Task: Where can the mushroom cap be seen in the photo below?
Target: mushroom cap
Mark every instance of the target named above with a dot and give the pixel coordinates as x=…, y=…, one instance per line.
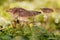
x=23, y=12
x=14, y=10
x=47, y=10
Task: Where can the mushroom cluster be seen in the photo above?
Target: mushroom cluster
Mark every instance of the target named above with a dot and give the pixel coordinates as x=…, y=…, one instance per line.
x=22, y=14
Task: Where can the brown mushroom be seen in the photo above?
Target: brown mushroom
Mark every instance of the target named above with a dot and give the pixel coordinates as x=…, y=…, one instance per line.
x=46, y=12
x=21, y=14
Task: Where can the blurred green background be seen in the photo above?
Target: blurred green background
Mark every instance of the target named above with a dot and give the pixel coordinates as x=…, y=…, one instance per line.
x=30, y=32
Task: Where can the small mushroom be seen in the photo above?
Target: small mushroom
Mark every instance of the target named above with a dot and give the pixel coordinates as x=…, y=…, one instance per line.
x=21, y=14
x=46, y=12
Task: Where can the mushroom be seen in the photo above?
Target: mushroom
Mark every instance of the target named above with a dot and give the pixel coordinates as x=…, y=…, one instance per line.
x=46, y=12
x=21, y=14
